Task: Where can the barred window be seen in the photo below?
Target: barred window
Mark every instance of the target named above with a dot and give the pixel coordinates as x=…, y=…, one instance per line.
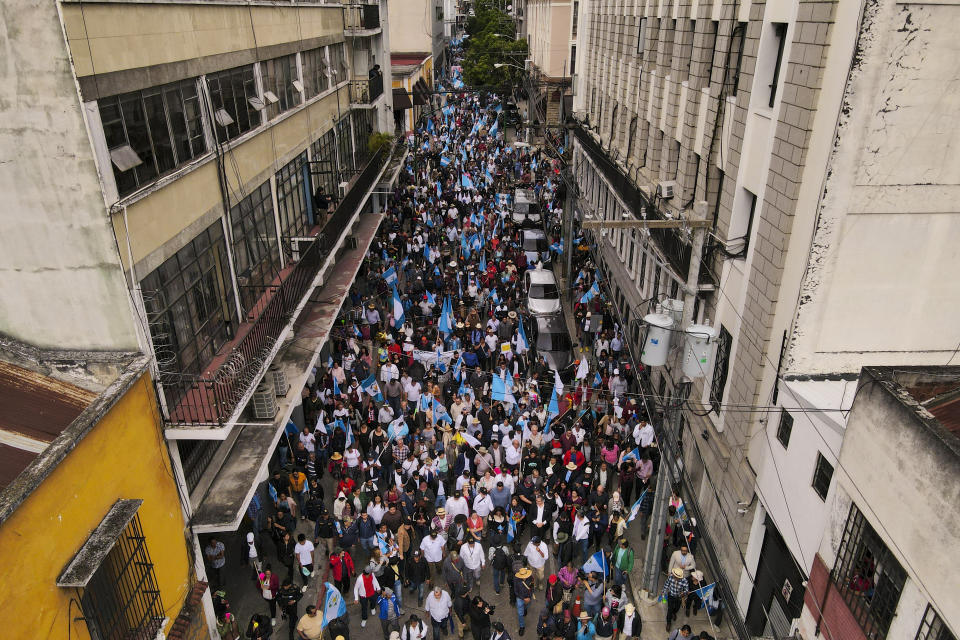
x=338, y=63
x=932, y=627
x=162, y=126
x=113, y=573
x=345, y=146
x=868, y=576
x=230, y=95
x=315, y=78
x=278, y=75
x=323, y=168
x=721, y=363
x=291, y=199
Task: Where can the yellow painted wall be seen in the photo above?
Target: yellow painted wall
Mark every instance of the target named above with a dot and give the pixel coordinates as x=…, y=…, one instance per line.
x=159, y=217
x=113, y=37
x=123, y=456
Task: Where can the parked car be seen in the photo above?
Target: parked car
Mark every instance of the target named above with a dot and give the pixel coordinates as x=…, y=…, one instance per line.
x=535, y=246
x=543, y=296
x=526, y=211
x=551, y=341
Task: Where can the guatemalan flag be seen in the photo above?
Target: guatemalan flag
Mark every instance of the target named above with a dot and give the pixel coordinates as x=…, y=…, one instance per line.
x=635, y=509
x=597, y=562
x=333, y=605
x=590, y=294
x=370, y=386
x=444, y=161
x=495, y=127
x=398, y=315
x=523, y=345
x=500, y=391
x=398, y=429
x=466, y=181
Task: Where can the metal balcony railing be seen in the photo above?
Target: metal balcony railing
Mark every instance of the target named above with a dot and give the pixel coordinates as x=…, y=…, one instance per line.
x=361, y=17
x=211, y=400
x=366, y=91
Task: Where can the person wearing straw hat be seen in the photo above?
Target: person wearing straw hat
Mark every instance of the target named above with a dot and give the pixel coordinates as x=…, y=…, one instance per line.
x=586, y=630
x=523, y=589
x=629, y=623
x=673, y=591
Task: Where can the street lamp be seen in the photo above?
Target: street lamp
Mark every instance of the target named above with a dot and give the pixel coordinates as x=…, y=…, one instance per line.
x=497, y=65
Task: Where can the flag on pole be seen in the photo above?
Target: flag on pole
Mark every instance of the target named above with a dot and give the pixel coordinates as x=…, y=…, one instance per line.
x=471, y=440
x=557, y=383
x=336, y=388
x=483, y=264
x=370, y=386
x=499, y=390
x=390, y=275
x=590, y=294
x=583, y=369
x=444, y=161
x=333, y=605
x=597, y=562
x=456, y=368
x=523, y=344
x=430, y=298
x=398, y=429
x=597, y=380
x=511, y=527
x=635, y=454
x=706, y=593
x=635, y=509
x=495, y=127
x=466, y=181
x=398, y=315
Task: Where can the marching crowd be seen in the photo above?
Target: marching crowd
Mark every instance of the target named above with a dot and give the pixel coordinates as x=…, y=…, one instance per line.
x=440, y=448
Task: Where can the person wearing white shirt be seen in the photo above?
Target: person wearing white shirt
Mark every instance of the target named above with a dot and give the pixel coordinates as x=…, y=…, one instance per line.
x=412, y=389
x=581, y=534
x=376, y=511
x=414, y=629
x=536, y=554
x=482, y=504
x=506, y=479
x=438, y=605
x=513, y=454
x=433, y=546
x=388, y=372
x=352, y=457
x=385, y=415
x=473, y=561
x=643, y=434
x=457, y=504
x=579, y=433
x=309, y=441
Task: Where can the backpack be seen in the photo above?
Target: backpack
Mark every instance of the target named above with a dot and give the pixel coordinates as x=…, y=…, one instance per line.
x=500, y=559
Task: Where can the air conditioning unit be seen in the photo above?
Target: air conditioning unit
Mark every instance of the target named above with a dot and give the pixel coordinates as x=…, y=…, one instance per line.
x=342, y=189
x=279, y=378
x=666, y=188
x=264, y=401
x=527, y=63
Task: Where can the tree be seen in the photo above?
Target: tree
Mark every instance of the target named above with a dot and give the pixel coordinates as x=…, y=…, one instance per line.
x=489, y=44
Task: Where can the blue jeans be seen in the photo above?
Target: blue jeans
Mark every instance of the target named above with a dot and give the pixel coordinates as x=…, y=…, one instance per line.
x=418, y=588
x=619, y=577
x=521, y=611
x=498, y=579
x=593, y=609
x=398, y=591
x=371, y=542
x=584, y=549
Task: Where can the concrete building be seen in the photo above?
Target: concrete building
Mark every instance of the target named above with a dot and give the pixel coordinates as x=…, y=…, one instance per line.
x=876, y=573
x=166, y=162
x=89, y=508
x=412, y=74
x=417, y=27
x=789, y=121
x=551, y=34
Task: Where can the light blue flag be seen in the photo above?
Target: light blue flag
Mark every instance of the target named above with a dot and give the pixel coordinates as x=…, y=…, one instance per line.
x=333, y=605
x=398, y=429
x=597, y=379
x=598, y=563
x=336, y=388
x=635, y=455
x=398, y=314
x=370, y=386
x=635, y=509
x=390, y=275
x=356, y=332
x=456, y=368
x=489, y=176
x=495, y=127
x=424, y=403
x=494, y=296
x=439, y=190
x=444, y=161
x=499, y=390
x=440, y=413
x=553, y=409
x=430, y=125
x=522, y=343
x=706, y=593
x=483, y=264
x=431, y=299
x=511, y=527
x=441, y=366
x=466, y=181
x=590, y=294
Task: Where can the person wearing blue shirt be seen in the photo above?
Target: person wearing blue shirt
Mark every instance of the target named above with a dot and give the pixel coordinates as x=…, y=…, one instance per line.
x=586, y=629
x=388, y=610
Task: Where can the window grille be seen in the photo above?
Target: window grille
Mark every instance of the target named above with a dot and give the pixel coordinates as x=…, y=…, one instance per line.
x=932, y=627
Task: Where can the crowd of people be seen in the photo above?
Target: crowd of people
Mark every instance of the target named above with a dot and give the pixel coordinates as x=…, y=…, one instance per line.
x=440, y=447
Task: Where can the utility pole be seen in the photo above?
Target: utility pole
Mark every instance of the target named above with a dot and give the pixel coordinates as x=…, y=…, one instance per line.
x=698, y=224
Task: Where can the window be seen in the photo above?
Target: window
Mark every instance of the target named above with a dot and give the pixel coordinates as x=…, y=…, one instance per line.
x=161, y=125
x=821, y=476
x=932, y=627
x=785, y=428
x=741, y=223
x=278, y=75
x=632, y=135
x=780, y=34
x=291, y=199
x=323, y=168
x=315, y=77
x=573, y=59
x=338, y=64
x=720, y=365
x=641, y=37
x=362, y=128
x=868, y=576
x=345, y=145
x=120, y=597
x=190, y=305
x=576, y=17
x=439, y=9
x=256, y=257
x=731, y=79
x=230, y=94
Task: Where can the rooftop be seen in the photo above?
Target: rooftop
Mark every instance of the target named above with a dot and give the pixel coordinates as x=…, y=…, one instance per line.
x=933, y=392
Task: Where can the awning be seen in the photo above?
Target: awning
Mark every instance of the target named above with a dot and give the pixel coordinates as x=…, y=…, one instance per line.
x=401, y=100
x=95, y=550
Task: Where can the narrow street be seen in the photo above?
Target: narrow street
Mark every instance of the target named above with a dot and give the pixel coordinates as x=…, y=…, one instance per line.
x=457, y=295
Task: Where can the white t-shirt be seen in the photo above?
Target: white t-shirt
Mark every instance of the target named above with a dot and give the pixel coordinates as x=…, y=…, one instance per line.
x=304, y=552
x=432, y=548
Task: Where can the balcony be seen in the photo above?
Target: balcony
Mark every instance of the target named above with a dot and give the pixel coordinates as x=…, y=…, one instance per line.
x=361, y=19
x=215, y=399
x=364, y=92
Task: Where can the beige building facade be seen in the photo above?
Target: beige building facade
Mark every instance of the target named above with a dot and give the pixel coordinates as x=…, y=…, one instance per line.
x=551, y=39
x=783, y=120
x=417, y=26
